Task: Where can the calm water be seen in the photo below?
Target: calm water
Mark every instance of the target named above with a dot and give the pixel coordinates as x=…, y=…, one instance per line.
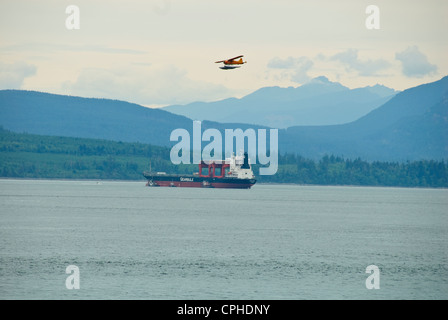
x=270, y=242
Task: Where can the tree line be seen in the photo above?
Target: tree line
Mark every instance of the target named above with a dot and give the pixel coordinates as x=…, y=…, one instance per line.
x=332, y=170
x=34, y=156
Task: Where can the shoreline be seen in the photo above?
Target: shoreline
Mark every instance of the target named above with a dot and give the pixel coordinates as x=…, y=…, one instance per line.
x=258, y=183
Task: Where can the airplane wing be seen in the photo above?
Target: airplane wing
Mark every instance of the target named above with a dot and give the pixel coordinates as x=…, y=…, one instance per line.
x=230, y=59
x=236, y=58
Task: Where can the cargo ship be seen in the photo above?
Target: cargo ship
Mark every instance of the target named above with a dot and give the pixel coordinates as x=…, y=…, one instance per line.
x=234, y=173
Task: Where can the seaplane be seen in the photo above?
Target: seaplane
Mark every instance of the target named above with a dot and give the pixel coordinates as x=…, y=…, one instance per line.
x=232, y=63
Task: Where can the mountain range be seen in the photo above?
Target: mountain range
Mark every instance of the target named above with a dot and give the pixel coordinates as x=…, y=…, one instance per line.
x=412, y=125
x=318, y=102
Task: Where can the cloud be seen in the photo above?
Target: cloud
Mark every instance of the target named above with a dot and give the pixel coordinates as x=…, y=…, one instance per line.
x=13, y=75
x=294, y=69
x=350, y=60
x=415, y=63
x=150, y=85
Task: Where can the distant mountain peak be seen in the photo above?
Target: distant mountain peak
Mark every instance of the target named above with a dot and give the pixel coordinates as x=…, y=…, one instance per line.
x=321, y=85
x=381, y=90
x=324, y=82
x=320, y=79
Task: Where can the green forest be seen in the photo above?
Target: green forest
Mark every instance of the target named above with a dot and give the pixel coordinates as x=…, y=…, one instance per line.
x=47, y=157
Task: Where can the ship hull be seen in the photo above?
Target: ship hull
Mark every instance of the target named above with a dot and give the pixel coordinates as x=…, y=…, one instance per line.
x=189, y=181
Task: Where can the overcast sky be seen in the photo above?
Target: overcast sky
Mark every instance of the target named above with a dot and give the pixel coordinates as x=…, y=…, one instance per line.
x=162, y=52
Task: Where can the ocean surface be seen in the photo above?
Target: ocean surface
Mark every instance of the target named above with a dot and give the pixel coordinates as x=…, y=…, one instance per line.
x=284, y=242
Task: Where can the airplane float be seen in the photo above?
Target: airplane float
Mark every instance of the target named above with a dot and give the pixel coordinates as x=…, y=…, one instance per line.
x=232, y=63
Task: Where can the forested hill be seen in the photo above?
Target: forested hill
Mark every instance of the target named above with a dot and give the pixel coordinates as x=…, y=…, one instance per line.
x=59, y=115
x=36, y=156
